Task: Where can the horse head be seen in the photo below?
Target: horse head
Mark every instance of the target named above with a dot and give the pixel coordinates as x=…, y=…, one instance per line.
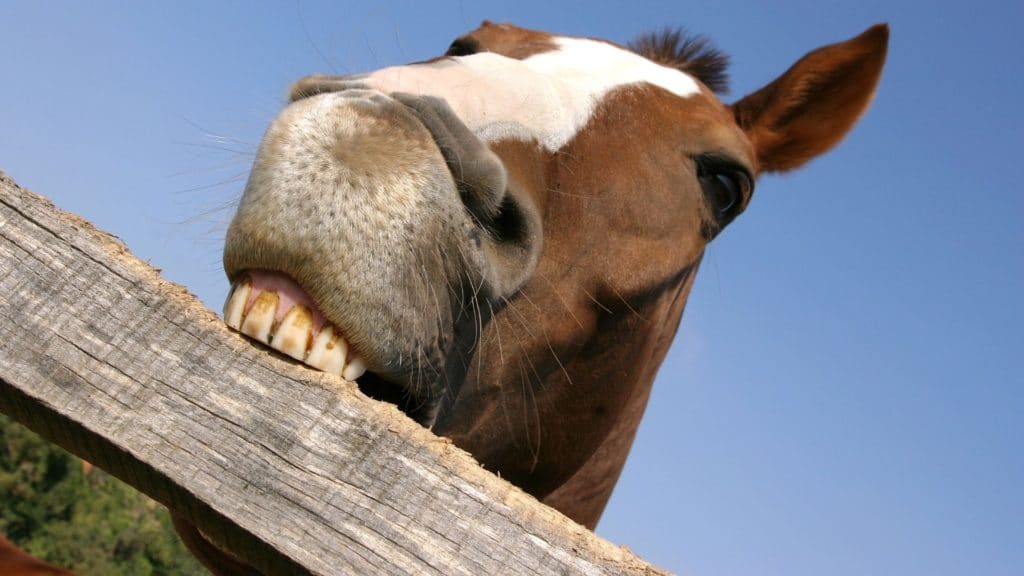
x=501, y=240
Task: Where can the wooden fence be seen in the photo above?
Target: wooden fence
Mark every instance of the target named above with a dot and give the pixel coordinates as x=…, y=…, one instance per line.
x=291, y=469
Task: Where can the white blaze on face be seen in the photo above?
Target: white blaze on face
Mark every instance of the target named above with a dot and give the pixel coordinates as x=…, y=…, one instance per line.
x=549, y=97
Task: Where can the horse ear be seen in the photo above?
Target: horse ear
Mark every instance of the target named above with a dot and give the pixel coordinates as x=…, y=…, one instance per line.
x=809, y=109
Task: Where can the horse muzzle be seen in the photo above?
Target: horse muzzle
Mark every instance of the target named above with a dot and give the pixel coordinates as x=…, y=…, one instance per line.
x=369, y=229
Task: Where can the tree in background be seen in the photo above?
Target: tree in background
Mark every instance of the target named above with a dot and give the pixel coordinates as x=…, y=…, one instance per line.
x=88, y=522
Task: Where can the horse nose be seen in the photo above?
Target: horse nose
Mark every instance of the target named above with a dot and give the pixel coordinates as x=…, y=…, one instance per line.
x=478, y=172
x=499, y=206
x=349, y=193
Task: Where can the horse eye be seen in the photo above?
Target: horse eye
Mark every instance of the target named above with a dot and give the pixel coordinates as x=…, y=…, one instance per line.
x=725, y=187
x=462, y=47
x=724, y=192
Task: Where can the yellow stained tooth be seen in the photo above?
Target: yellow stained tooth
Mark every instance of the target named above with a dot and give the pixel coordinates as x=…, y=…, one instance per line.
x=260, y=318
x=292, y=334
x=328, y=351
x=356, y=368
x=234, y=308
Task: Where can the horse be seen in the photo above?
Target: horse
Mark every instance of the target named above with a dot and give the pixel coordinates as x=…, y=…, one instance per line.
x=501, y=240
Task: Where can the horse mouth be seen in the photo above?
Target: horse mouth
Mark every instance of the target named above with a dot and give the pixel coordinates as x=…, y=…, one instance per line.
x=276, y=311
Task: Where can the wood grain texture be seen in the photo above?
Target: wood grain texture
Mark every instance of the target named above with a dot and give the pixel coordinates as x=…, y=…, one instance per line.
x=292, y=469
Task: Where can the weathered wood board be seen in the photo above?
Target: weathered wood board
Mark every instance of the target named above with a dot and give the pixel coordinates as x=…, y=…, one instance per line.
x=292, y=469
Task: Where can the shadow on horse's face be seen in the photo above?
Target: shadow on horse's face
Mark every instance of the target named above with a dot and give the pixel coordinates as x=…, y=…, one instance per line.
x=502, y=240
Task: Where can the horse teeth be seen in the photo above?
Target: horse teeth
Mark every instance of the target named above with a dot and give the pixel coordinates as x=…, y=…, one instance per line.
x=260, y=319
x=328, y=352
x=356, y=367
x=234, y=308
x=292, y=334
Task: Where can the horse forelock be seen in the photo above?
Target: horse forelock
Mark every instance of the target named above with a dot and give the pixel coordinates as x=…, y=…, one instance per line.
x=694, y=55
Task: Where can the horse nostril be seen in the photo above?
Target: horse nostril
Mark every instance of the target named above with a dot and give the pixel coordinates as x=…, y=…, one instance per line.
x=478, y=172
x=509, y=223
x=508, y=227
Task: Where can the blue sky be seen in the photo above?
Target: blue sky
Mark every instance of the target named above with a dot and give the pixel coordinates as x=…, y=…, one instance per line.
x=845, y=394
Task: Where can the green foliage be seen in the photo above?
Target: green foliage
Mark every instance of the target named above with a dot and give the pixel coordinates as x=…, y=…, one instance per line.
x=89, y=522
